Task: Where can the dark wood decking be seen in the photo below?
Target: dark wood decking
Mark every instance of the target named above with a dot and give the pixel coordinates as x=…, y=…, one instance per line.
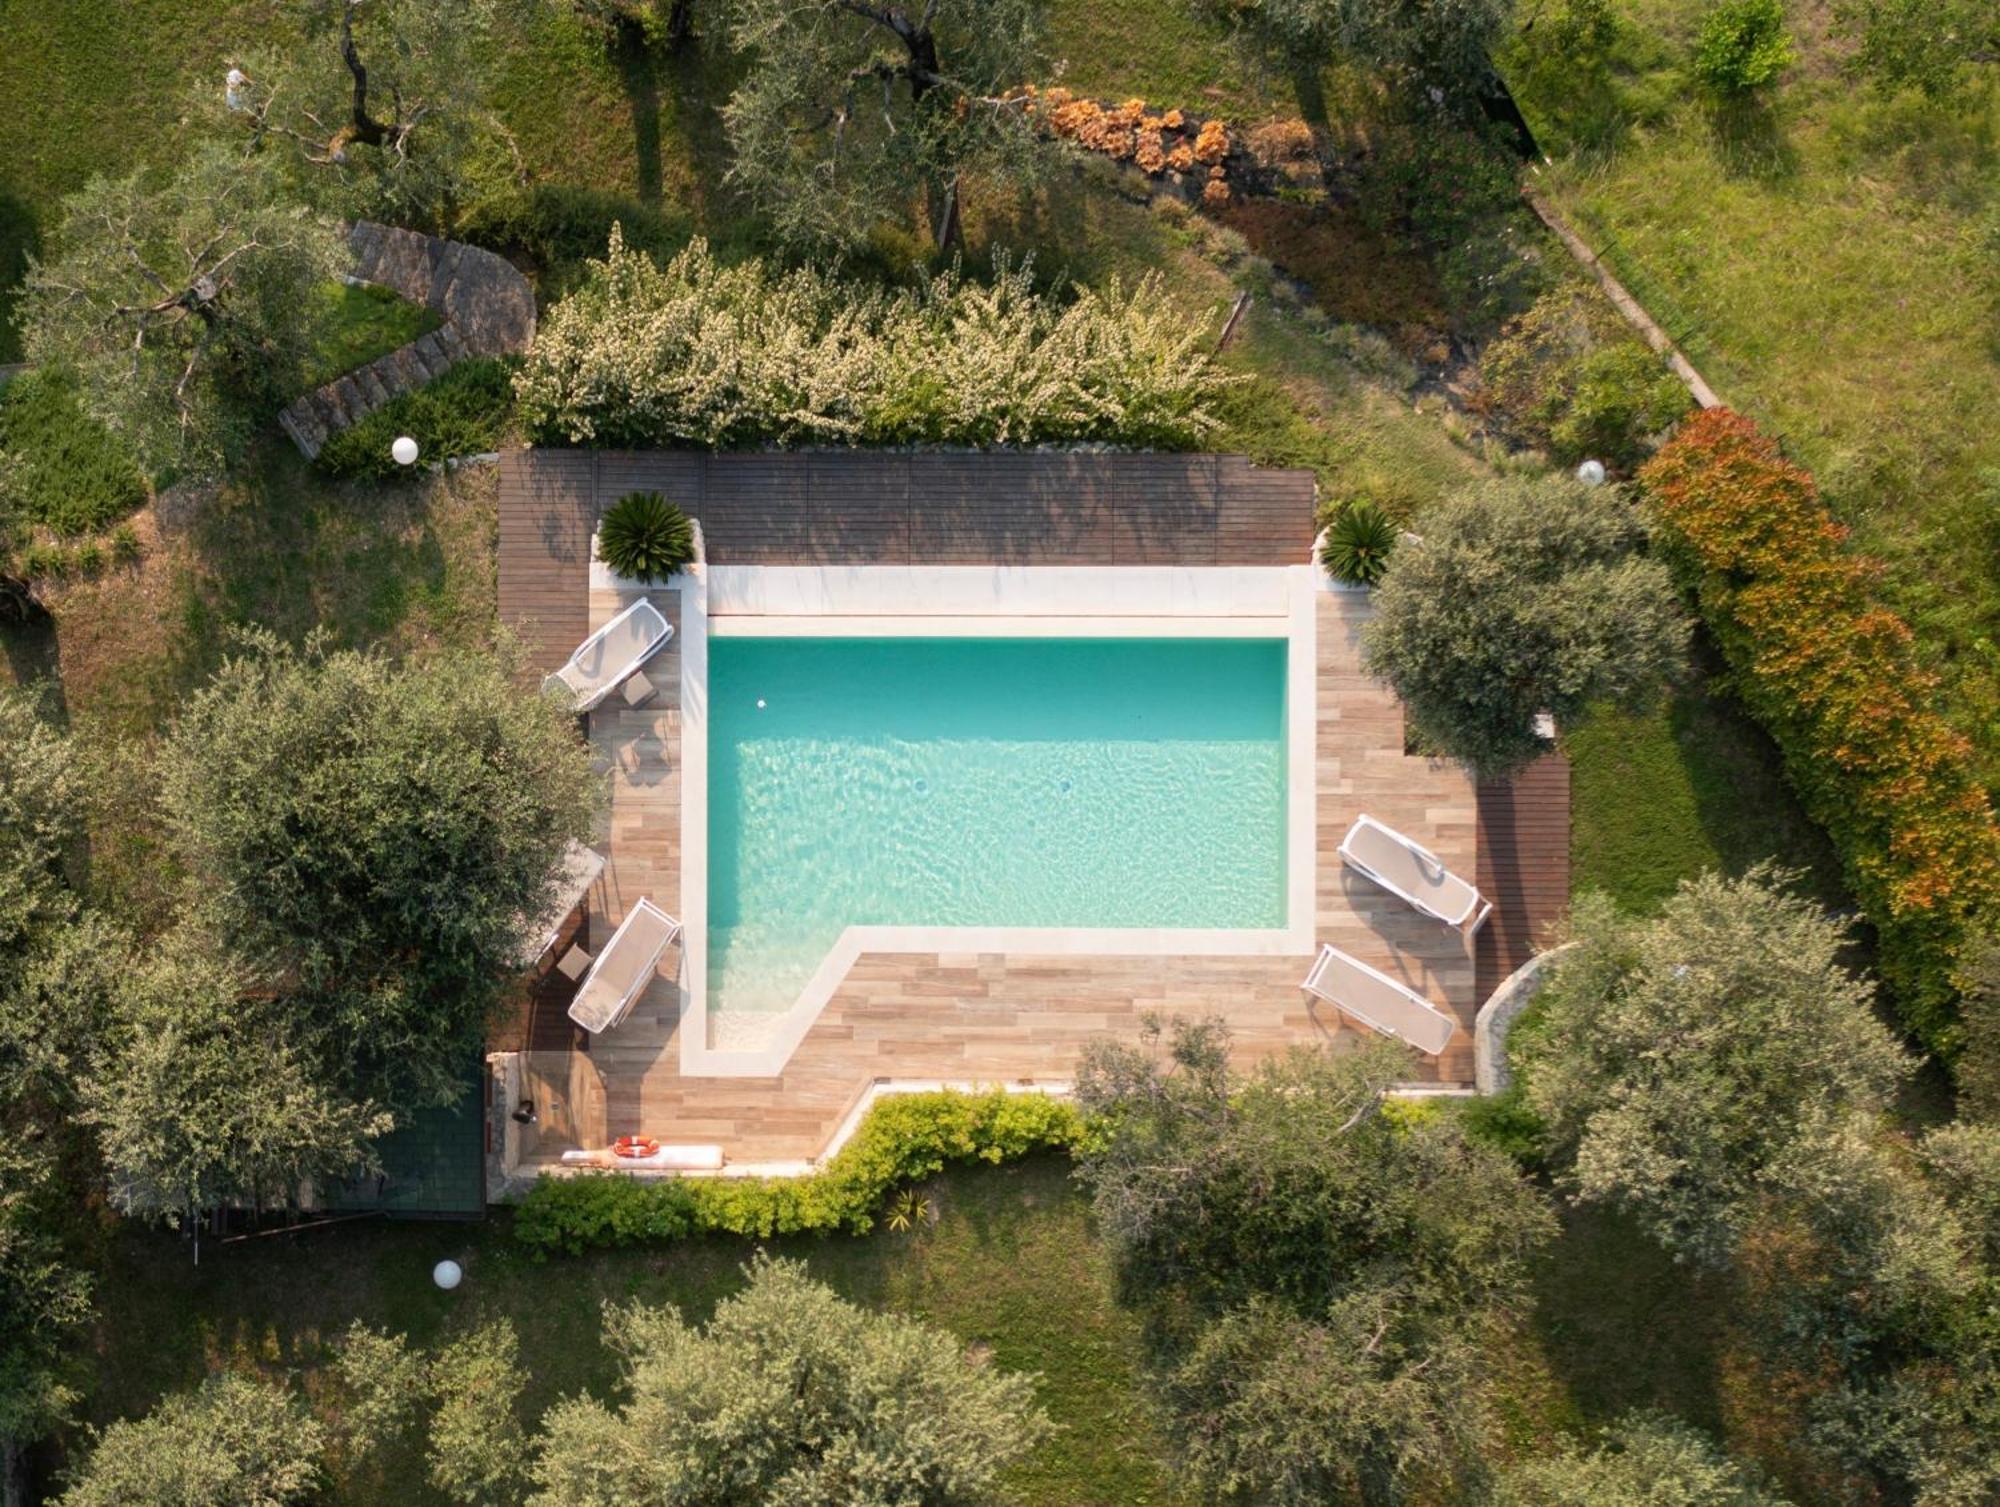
x=1523, y=866
x=885, y=508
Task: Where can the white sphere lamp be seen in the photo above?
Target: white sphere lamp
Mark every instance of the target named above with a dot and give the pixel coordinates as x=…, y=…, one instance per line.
x=404, y=450
x=447, y=1274
x=1591, y=473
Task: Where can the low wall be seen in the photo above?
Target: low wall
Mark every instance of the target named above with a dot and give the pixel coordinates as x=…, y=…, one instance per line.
x=1490, y=1072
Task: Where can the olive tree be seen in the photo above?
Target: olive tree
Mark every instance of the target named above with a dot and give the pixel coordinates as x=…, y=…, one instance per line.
x=380, y=105
x=1429, y=44
x=44, y=1304
x=1679, y=1061
x=1523, y=596
x=377, y=831
x=236, y=1441
x=1643, y=1460
x=58, y=964
x=1370, y=1402
x=185, y=301
x=851, y=111
x=1320, y=1260
x=787, y=1394
x=203, y=1099
x=468, y=1395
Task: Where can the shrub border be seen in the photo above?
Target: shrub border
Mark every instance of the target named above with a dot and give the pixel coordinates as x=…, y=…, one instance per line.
x=904, y=1138
x=1834, y=677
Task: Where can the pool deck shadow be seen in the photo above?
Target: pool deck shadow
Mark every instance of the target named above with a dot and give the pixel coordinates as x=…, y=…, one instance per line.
x=1005, y=1017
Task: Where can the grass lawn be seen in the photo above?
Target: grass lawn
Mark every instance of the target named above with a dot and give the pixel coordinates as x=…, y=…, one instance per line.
x=1827, y=259
x=367, y=322
x=1659, y=797
x=1009, y=1264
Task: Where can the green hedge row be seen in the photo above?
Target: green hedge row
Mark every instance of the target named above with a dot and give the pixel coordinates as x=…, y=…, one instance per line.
x=904, y=1138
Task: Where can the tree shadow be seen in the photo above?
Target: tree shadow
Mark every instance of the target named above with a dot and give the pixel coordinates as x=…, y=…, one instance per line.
x=1749, y=141
x=639, y=72
x=1621, y=1326
x=20, y=238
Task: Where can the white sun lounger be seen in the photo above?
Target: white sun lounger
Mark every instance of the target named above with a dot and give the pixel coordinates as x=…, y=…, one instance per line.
x=1413, y=873
x=621, y=972
x=606, y=659
x=1378, y=1001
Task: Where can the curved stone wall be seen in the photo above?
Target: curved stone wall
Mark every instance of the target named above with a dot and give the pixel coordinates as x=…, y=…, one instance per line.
x=486, y=306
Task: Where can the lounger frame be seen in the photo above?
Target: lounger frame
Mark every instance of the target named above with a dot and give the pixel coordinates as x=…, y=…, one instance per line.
x=644, y=975
x=662, y=633
x=1315, y=985
x=1477, y=909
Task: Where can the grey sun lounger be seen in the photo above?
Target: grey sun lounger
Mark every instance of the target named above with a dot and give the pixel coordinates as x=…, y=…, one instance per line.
x=604, y=661
x=1413, y=874
x=621, y=972
x=1378, y=1001
x=579, y=871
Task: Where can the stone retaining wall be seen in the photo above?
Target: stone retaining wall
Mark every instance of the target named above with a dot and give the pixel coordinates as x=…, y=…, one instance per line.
x=487, y=307
x=1491, y=1074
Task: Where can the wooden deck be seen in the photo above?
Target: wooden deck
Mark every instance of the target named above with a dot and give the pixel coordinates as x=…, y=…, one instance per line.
x=992, y=1017
x=1523, y=866
x=887, y=508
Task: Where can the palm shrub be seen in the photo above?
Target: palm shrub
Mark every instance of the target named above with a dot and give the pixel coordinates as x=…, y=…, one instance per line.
x=1358, y=544
x=646, y=537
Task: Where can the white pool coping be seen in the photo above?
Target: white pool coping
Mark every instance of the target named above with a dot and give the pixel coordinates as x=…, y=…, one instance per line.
x=986, y=601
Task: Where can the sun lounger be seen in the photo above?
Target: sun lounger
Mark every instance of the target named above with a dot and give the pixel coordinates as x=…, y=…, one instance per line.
x=604, y=661
x=1378, y=1001
x=621, y=972
x=1412, y=873
x=580, y=868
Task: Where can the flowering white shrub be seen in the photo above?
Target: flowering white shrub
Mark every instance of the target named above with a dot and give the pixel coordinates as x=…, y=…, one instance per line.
x=700, y=353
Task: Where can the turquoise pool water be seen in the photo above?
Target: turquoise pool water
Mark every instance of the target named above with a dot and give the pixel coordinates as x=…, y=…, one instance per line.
x=984, y=782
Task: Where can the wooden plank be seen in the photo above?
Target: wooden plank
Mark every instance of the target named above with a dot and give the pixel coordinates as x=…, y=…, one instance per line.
x=1524, y=838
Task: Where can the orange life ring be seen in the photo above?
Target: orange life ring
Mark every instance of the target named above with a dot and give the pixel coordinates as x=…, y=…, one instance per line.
x=634, y=1145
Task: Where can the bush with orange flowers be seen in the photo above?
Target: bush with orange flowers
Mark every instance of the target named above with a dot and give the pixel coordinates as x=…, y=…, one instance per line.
x=1834, y=677
x=1126, y=132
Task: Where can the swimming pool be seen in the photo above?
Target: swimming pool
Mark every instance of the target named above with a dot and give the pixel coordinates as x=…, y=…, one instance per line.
x=984, y=782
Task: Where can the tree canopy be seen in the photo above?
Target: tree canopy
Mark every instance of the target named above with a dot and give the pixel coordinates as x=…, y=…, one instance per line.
x=788, y=1394
x=185, y=301
x=1428, y=44
x=1523, y=596
x=1321, y=1260
x=58, y=966
x=375, y=834
x=235, y=1441
x=1678, y=1060
x=204, y=1099
x=1644, y=1460
x=851, y=112
x=379, y=104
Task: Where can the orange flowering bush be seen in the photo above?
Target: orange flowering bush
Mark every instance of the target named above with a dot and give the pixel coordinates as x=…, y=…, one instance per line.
x=1126, y=132
x=1835, y=678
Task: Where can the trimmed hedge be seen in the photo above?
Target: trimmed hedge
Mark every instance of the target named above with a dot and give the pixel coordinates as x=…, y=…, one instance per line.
x=464, y=412
x=904, y=1138
x=1834, y=678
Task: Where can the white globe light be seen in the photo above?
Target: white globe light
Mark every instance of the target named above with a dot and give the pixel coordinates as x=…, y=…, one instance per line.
x=404, y=450
x=447, y=1274
x=1591, y=473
